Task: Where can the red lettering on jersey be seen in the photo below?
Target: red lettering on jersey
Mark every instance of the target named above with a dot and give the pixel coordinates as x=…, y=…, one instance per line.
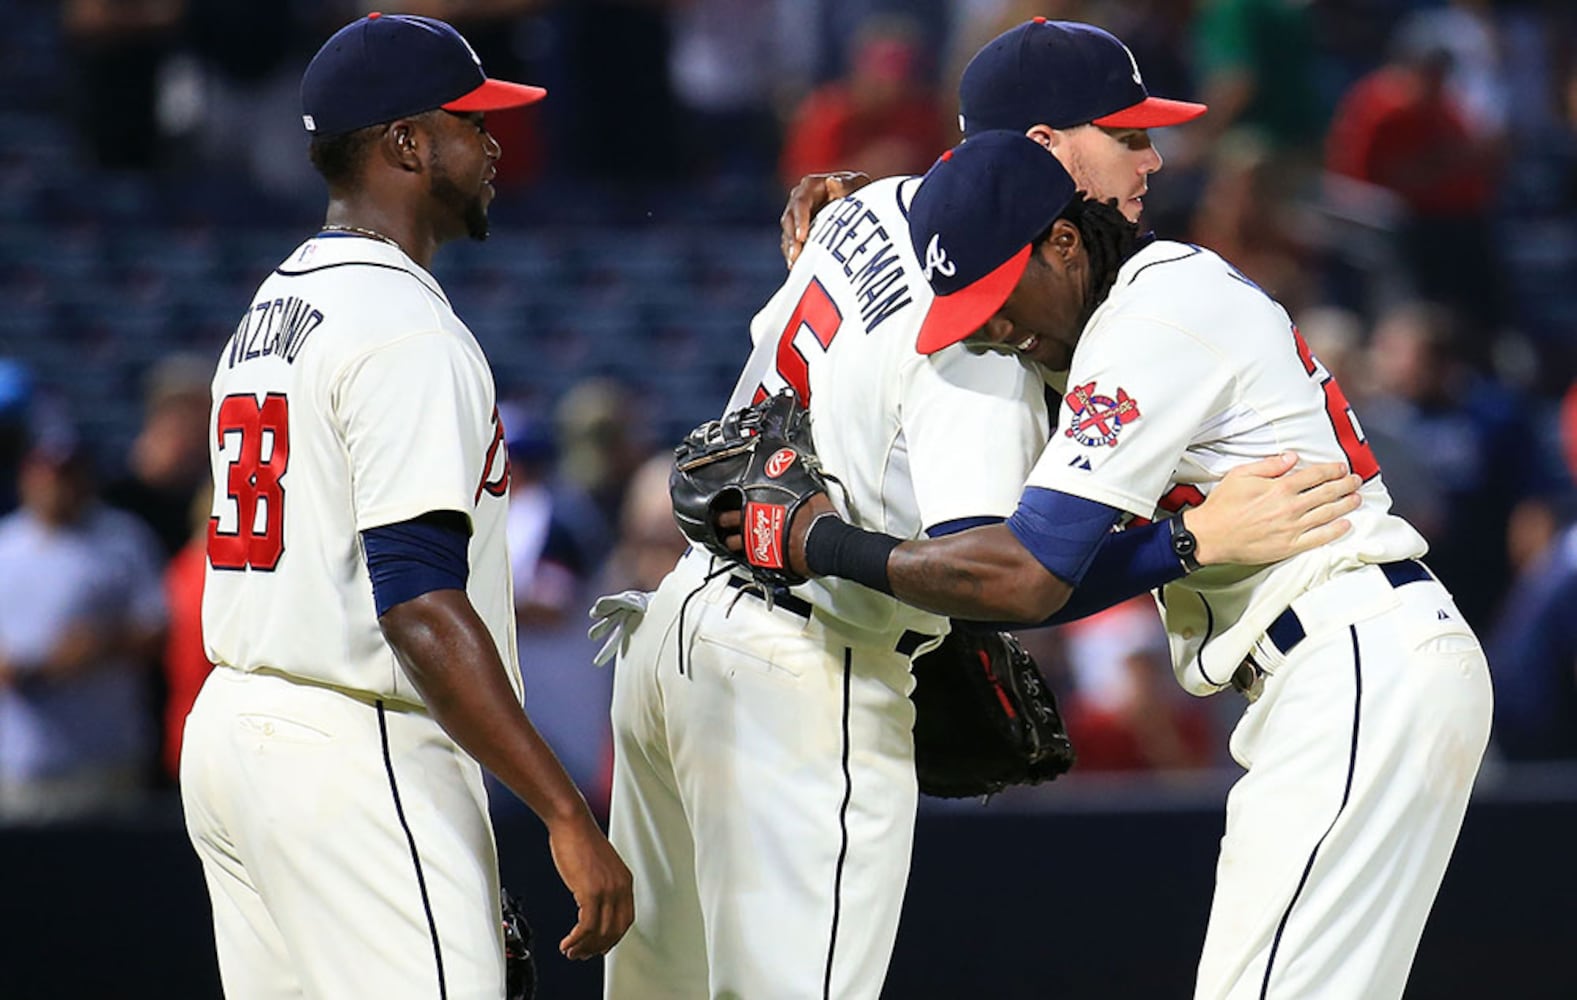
x=780, y=462
x=763, y=531
x=817, y=313
x=1349, y=436
x=1181, y=497
x=1178, y=498
x=1098, y=419
x=494, y=483
x=253, y=481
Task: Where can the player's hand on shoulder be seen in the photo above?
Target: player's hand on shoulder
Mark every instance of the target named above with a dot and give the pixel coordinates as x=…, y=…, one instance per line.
x=809, y=195
x=1273, y=509
x=598, y=879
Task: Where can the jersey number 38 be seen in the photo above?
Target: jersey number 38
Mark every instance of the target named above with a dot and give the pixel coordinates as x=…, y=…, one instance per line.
x=256, y=436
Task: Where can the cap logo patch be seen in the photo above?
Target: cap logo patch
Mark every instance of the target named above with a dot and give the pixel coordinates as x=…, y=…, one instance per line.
x=1097, y=419
x=311, y=125
x=936, y=259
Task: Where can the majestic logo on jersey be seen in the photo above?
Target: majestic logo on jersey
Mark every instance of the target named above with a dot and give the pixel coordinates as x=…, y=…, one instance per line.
x=936, y=259
x=763, y=529
x=495, y=468
x=1098, y=419
x=780, y=462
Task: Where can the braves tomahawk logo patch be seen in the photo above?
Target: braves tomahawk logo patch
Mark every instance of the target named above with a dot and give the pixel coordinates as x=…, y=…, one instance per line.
x=1098, y=419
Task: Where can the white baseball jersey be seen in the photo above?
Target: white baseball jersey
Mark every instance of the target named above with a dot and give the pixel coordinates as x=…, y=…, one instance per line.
x=1368, y=721
x=349, y=397
x=317, y=789
x=916, y=441
x=1186, y=371
x=764, y=789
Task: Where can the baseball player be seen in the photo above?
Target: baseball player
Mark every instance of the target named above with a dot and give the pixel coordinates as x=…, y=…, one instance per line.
x=1072, y=87
x=764, y=787
x=357, y=600
x=1367, y=695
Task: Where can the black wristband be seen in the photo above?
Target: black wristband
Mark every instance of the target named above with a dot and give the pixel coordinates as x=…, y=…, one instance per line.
x=834, y=547
x=1184, y=545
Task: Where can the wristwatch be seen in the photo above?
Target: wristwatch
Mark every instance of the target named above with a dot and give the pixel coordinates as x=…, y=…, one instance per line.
x=1184, y=545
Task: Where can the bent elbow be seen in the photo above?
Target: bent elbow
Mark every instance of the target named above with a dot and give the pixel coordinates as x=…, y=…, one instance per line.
x=1043, y=596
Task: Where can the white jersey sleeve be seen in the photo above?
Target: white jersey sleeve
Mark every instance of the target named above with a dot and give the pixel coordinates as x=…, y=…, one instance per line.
x=402, y=408
x=973, y=427
x=1125, y=424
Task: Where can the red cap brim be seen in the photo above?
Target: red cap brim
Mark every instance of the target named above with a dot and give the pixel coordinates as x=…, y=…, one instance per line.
x=496, y=95
x=953, y=317
x=1153, y=112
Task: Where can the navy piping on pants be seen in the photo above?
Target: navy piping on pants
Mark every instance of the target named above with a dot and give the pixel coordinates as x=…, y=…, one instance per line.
x=1352, y=766
x=416, y=858
x=843, y=827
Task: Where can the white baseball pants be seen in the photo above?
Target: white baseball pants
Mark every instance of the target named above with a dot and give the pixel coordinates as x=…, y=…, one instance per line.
x=347, y=848
x=764, y=797
x=1361, y=755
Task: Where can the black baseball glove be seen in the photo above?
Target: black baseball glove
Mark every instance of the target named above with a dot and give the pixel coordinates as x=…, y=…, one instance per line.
x=760, y=460
x=984, y=717
x=520, y=967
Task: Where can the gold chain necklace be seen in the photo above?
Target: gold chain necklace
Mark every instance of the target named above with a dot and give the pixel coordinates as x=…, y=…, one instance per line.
x=369, y=233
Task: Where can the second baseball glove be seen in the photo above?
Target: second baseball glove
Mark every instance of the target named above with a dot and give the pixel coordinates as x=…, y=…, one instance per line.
x=984, y=717
x=758, y=460
x=520, y=966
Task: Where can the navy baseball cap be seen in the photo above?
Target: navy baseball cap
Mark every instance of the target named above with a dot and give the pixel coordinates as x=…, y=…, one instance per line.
x=1061, y=74
x=387, y=66
x=971, y=223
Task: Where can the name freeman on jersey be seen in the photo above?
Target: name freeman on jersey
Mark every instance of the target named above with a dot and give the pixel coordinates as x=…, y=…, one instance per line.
x=277, y=328
x=857, y=240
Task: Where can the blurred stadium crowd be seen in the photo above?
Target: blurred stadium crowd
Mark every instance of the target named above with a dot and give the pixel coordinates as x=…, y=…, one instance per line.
x=1401, y=173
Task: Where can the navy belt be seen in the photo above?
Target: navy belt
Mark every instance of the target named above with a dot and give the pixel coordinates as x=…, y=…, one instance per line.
x=801, y=608
x=1287, y=630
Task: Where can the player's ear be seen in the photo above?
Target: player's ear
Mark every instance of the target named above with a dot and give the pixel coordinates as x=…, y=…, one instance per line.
x=1065, y=241
x=1044, y=136
x=402, y=144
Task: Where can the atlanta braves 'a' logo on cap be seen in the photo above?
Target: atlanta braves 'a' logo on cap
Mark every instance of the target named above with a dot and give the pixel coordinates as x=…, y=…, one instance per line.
x=936, y=261
x=1098, y=419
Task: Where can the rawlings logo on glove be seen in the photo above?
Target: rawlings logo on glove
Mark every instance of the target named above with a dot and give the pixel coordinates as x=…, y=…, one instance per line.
x=760, y=461
x=766, y=533
x=779, y=463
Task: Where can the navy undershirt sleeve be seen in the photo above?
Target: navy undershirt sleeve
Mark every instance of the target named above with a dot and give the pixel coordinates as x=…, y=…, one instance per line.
x=959, y=524
x=1129, y=563
x=1063, y=532
x=415, y=557
x=1072, y=538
